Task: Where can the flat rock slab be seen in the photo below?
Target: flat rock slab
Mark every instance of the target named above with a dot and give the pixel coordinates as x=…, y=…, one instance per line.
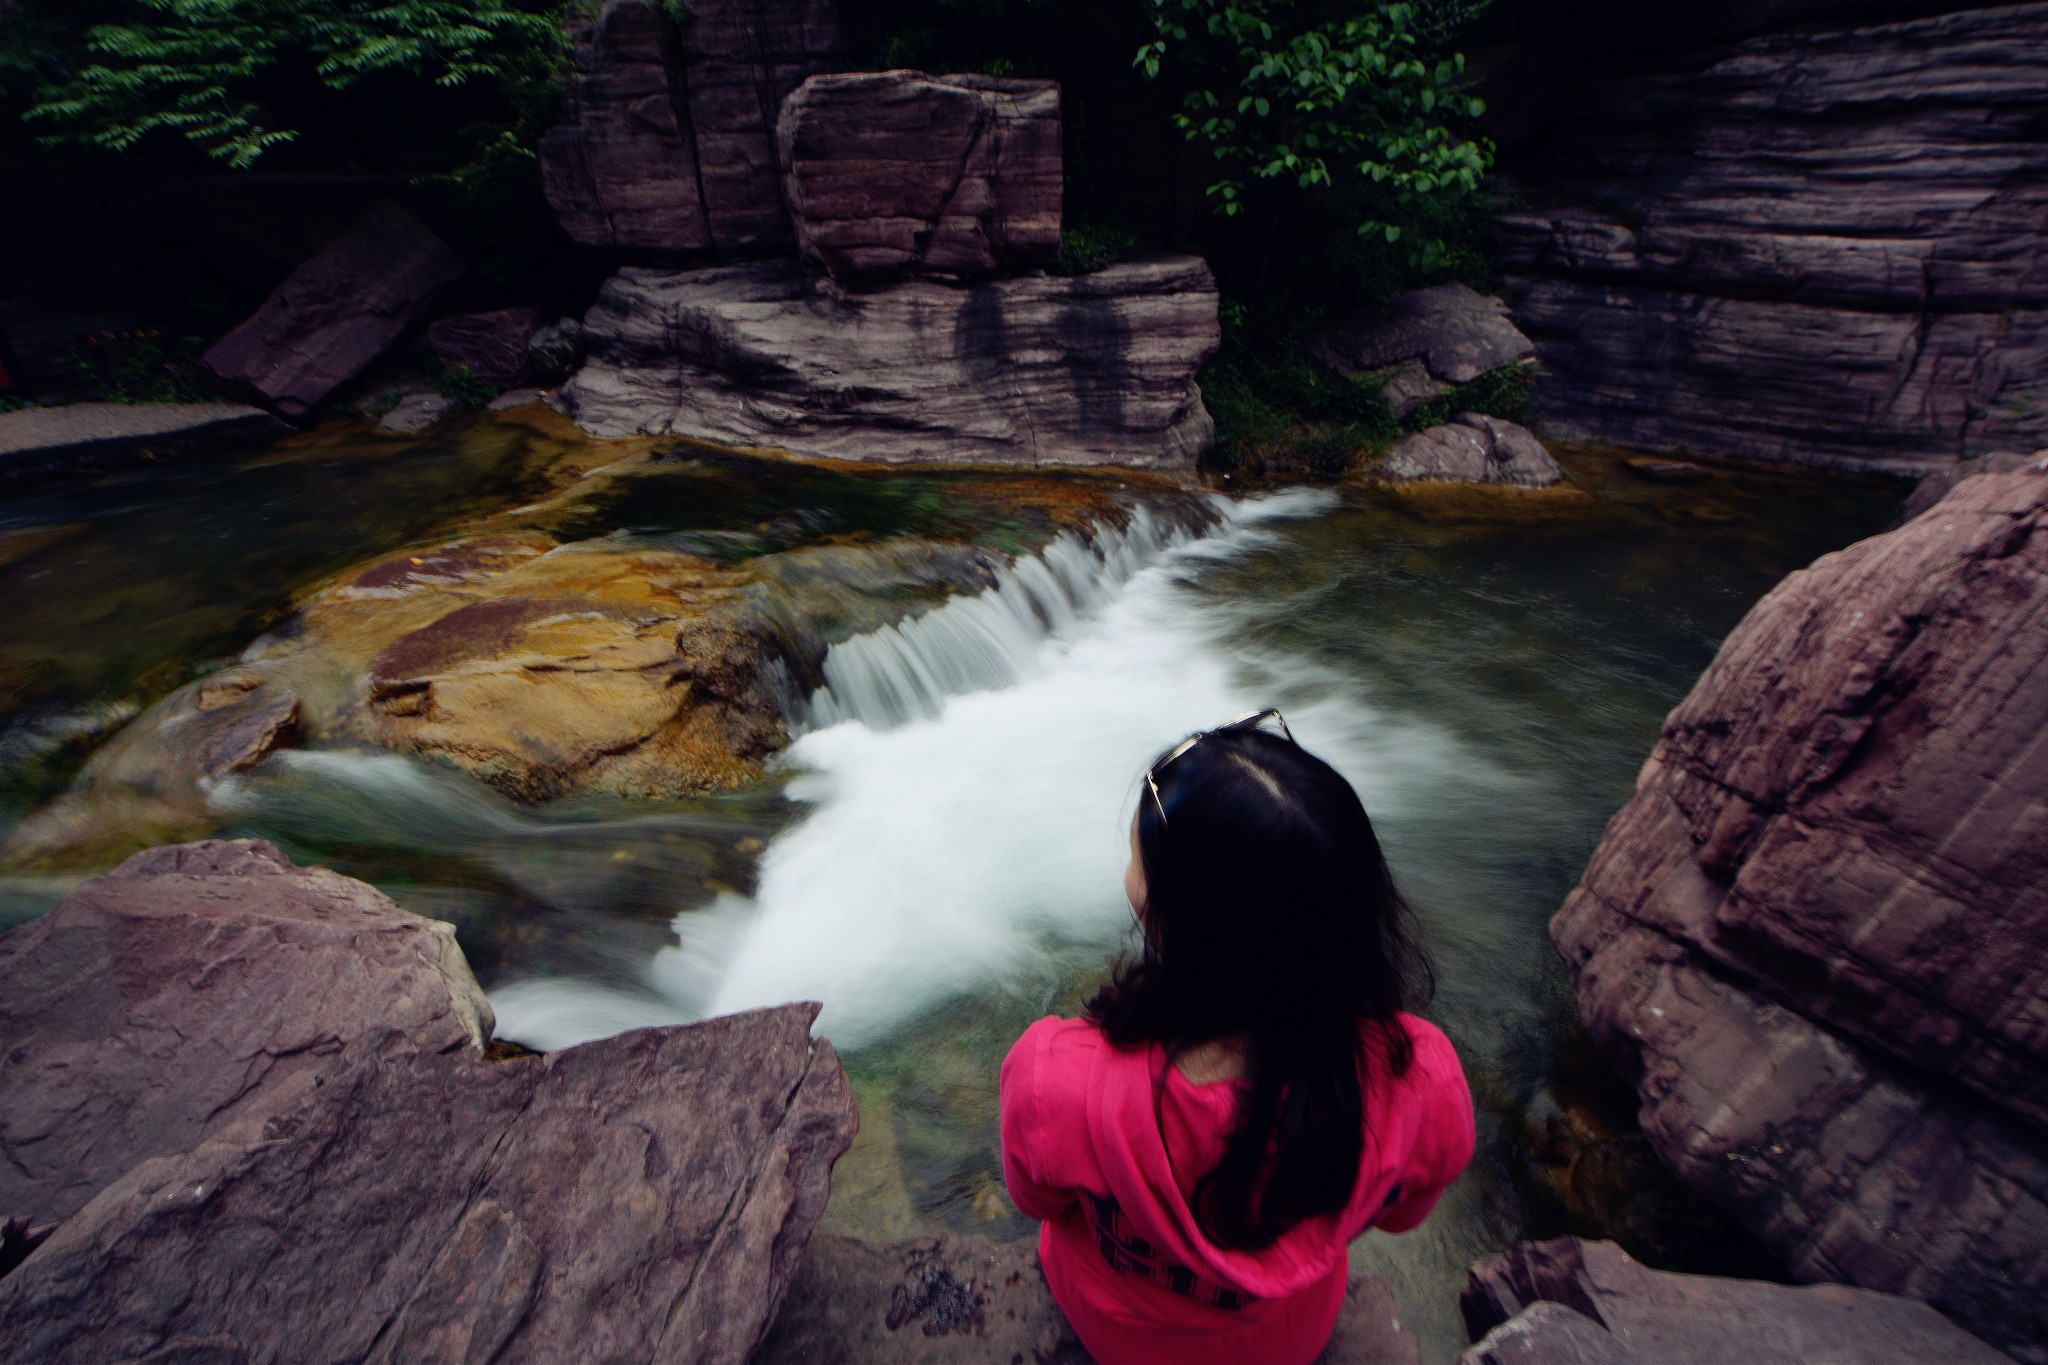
x=1573, y=1302
x=1472, y=448
x=645, y=1197
x=417, y=413
x=949, y=1299
x=36, y=442
x=195, y=988
x=1452, y=332
x=1093, y=369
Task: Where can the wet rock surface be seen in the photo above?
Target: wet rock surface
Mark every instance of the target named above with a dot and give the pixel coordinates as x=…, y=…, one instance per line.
x=1815, y=244
x=375, y=1185
x=417, y=413
x=1814, y=938
x=38, y=443
x=1424, y=342
x=895, y=172
x=669, y=146
x=336, y=312
x=492, y=345
x=1474, y=448
x=965, y=1300
x=1573, y=1302
x=196, y=989
x=1092, y=369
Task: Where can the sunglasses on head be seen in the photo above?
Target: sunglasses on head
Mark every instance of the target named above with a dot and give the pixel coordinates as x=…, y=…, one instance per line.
x=1250, y=720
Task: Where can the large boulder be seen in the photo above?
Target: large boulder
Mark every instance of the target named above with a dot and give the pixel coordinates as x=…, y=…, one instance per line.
x=1572, y=1302
x=947, y=1299
x=336, y=312
x=669, y=146
x=198, y=988
x=255, y=1096
x=1424, y=343
x=1471, y=448
x=1817, y=935
x=494, y=346
x=895, y=171
x=1092, y=369
x=1816, y=244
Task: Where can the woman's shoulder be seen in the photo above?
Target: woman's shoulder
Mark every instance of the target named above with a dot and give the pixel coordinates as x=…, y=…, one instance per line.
x=1054, y=1054
x=1434, y=1074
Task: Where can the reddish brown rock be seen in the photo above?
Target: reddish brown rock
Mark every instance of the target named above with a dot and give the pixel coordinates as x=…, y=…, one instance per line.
x=1092, y=369
x=669, y=145
x=1572, y=1302
x=336, y=312
x=196, y=988
x=953, y=1300
x=1820, y=243
x=895, y=172
x=645, y=1197
x=491, y=345
x=1817, y=936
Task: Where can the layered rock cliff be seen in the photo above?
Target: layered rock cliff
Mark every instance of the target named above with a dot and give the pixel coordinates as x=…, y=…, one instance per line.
x=1821, y=243
x=1817, y=936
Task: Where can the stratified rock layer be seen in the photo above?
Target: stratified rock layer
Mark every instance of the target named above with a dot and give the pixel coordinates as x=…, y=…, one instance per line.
x=336, y=312
x=1572, y=1302
x=1819, y=245
x=895, y=171
x=1091, y=369
x=274, y=1074
x=1817, y=936
x=670, y=142
x=194, y=989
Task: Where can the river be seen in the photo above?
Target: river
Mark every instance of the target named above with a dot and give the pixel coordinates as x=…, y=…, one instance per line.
x=938, y=856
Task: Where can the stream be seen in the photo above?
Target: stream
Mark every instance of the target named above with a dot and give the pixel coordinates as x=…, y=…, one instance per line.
x=938, y=855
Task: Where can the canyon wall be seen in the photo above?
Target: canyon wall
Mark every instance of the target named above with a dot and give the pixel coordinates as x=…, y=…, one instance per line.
x=1816, y=938
x=1820, y=243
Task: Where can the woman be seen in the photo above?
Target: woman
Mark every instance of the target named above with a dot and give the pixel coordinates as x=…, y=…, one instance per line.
x=1247, y=1096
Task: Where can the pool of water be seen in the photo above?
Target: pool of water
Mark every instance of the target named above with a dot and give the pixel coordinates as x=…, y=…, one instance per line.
x=938, y=856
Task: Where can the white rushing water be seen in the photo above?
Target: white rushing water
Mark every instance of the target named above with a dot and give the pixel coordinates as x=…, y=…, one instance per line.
x=970, y=776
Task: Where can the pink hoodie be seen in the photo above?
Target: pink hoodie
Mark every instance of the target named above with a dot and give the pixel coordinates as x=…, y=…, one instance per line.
x=1105, y=1145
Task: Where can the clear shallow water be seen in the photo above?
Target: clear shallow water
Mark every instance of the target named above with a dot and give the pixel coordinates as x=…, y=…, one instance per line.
x=939, y=859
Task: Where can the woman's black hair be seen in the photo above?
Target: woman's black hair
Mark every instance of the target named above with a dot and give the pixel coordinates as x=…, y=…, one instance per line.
x=1270, y=915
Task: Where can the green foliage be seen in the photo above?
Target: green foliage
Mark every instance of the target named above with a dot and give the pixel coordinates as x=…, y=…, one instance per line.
x=196, y=69
x=140, y=367
x=12, y=402
x=465, y=386
x=1278, y=410
x=1507, y=392
x=1088, y=247
x=1320, y=93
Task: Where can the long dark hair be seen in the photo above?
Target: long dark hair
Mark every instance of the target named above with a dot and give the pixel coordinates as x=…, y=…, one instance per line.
x=1269, y=915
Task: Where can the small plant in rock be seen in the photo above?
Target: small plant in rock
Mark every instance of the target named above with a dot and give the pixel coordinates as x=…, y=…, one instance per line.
x=383, y=402
x=465, y=386
x=139, y=366
x=1088, y=247
x=1507, y=392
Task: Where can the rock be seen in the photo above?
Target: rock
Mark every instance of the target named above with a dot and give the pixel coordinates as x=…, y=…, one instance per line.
x=555, y=349
x=1092, y=369
x=669, y=144
x=968, y=1300
x=1664, y=471
x=492, y=345
x=1573, y=1302
x=336, y=312
x=1933, y=487
x=417, y=413
x=1471, y=448
x=36, y=443
x=195, y=990
x=1817, y=935
x=644, y=1197
x=1425, y=342
x=895, y=171
x=515, y=398
x=1817, y=244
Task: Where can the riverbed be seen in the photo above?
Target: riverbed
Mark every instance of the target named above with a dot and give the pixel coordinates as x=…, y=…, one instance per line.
x=937, y=857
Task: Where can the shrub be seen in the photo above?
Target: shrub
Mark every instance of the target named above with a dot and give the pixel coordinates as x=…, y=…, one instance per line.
x=465, y=386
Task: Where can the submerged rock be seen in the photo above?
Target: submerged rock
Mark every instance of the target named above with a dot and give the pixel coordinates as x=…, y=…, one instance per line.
x=310, y=1148
x=1425, y=342
x=1472, y=448
x=670, y=142
x=199, y=989
x=1573, y=1302
x=957, y=1300
x=36, y=443
x=1818, y=244
x=336, y=312
x=1817, y=935
x=892, y=172
x=1092, y=369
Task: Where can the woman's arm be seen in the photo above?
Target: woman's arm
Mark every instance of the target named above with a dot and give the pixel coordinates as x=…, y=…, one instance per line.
x=1026, y=1138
